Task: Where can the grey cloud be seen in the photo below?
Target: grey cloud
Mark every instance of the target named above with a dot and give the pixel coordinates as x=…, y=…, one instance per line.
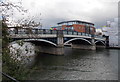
x=66, y=12
x=53, y=11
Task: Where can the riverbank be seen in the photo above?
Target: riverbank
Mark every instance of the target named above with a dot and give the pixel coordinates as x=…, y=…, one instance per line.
x=113, y=48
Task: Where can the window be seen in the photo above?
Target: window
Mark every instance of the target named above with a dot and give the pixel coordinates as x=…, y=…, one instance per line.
x=72, y=28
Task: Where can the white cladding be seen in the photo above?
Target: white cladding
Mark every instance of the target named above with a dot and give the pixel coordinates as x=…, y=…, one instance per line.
x=119, y=32
x=111, y=30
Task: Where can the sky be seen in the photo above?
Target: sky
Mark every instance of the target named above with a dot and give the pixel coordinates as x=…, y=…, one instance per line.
x=54, y=11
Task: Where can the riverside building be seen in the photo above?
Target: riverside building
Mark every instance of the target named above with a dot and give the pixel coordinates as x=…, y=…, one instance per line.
x=111, y=30
x=76, y=25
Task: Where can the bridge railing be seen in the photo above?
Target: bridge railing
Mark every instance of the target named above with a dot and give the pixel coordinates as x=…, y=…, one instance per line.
x=48, y=31
x=76, y=33
x=34, y=31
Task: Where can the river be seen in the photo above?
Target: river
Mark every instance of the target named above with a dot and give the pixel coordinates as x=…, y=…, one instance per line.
x=77, y=64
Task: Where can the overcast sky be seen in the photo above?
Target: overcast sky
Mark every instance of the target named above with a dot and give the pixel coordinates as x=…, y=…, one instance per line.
x=54, y=11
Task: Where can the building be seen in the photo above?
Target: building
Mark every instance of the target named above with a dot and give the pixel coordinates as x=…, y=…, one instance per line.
x=76, y=25
x=111, y=30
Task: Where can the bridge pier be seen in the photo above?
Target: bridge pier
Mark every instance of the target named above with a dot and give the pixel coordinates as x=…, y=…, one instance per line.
x=84, y=47
x=91, y=46
x=51, y=50
x=100, y=46
x=55, y=50
x=60, y=43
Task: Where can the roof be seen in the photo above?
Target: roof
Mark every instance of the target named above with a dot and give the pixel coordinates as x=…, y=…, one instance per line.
x=75, y=21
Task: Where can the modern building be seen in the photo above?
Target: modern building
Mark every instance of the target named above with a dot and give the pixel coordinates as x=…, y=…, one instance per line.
x=76, y=25
x=111, y=30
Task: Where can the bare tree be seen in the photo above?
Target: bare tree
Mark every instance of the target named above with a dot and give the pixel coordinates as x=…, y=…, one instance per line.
x=8, y=9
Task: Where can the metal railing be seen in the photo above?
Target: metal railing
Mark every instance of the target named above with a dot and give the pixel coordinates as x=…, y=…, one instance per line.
x=9, y=77
x=48, y=31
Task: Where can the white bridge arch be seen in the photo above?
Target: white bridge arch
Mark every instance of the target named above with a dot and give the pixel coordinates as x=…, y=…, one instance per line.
x=77, y=39
x=42, y=40
x=100, y=41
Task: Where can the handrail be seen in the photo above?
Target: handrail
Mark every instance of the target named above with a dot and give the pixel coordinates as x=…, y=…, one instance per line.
x=48, y=31
x=4, y=74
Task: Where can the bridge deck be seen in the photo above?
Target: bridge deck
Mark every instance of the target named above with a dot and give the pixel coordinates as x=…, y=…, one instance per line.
x=46, y=33
x=37, y=36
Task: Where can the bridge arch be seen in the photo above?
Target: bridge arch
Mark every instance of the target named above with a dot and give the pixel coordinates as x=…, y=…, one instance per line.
x=78, y=39
x=100, y=42
x=41, y=40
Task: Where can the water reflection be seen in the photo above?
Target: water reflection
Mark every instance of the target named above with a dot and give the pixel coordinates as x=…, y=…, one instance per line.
x=76, y=64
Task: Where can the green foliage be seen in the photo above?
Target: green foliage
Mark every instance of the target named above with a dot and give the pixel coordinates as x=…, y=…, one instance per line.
x=11, y=66
x=14, y=68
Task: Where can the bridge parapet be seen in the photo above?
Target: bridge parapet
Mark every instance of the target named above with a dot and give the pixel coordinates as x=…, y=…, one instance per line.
x=45, y=32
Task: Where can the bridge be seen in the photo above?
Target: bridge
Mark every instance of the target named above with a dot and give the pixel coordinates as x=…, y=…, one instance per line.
x=53, y=41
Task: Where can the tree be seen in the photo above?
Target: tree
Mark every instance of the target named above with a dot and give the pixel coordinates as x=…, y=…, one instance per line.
x=8, y=11
x=11, y=66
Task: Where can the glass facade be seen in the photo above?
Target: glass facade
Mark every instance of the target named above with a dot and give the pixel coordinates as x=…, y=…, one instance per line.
x=79, y=26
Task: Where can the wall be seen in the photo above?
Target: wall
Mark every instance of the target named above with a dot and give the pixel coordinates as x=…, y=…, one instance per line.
x=113, y=33
x=111, y=30
x=50, y=50
x=85, y=47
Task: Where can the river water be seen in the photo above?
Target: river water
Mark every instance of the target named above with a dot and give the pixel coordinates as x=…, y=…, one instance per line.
x=76, y=64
